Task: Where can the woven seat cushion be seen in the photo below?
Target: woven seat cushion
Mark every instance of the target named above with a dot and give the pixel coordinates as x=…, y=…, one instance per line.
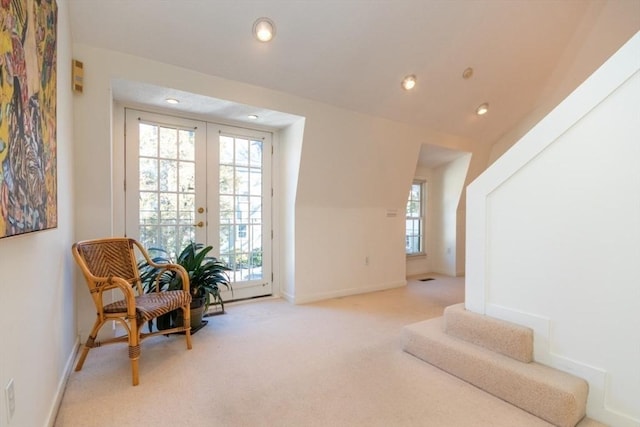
x=150, y=306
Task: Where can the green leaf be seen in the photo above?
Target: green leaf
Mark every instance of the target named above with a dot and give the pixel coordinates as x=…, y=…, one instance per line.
x=206, y=273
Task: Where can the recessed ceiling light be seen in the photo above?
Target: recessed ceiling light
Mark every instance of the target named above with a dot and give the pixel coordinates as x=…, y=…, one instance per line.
x=482, y=109
x=467, y=73
x=264, y=29
x=172, y=101
x=409, y=82
x=252, y=117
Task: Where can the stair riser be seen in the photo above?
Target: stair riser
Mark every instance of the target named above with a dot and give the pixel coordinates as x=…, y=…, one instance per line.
x=497, y=335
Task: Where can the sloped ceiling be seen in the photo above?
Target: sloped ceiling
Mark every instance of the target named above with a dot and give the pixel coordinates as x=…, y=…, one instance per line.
x=354, y=53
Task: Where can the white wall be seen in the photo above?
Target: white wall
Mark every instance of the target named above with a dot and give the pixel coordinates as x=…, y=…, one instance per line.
x=420, y=265
x=445, y=191
x=554, y=237
x=332, y=245
x=445, y=225
x=37, y=307
x=46, y=294
x=289, y=152
x=352, y=169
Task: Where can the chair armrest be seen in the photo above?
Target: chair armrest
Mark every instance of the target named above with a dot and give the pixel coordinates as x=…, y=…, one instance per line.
x=164, y=267
x=181, y=271
x=122, y=285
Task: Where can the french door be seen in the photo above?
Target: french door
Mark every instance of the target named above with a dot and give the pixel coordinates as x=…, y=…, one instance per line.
x=194, y=181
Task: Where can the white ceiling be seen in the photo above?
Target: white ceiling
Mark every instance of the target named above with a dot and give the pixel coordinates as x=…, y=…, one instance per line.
x=354, y=53
x=137, y=93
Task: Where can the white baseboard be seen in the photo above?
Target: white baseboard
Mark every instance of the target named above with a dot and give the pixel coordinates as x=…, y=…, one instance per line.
x=288, y=297
x=344, y=292
x=597, y=403
x=62, y=384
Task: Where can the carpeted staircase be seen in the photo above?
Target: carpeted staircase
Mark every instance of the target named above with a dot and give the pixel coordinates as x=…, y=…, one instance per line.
x=497, y=356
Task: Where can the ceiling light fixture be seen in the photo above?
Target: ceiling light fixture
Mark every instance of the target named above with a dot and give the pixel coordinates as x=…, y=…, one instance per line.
x=409, y=82
x=172, y=101
x=252, y=117
x=482, y=109
x=264, y=29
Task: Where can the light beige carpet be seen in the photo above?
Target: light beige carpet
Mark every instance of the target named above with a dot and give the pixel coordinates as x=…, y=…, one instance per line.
x=269, y=363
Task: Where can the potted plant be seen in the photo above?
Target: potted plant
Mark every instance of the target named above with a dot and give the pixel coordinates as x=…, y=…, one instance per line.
x=206, y=275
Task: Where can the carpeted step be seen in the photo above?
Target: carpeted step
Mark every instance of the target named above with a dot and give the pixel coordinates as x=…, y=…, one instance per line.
x=588, y=422
x=504, y=337
x=548, y=393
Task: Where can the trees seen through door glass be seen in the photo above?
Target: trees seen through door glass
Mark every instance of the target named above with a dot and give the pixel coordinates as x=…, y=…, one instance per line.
x=166, y=187
x=241, y=205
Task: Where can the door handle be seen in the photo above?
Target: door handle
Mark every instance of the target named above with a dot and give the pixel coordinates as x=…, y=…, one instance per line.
x=200, y=224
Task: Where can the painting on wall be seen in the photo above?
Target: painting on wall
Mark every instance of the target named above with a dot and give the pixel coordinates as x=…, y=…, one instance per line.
x=28, y=169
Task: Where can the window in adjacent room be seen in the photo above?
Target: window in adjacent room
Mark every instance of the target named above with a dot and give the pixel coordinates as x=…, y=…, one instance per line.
x=414, y=238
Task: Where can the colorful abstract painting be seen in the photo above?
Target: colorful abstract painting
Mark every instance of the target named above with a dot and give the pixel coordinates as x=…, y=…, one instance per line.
x=28, y=169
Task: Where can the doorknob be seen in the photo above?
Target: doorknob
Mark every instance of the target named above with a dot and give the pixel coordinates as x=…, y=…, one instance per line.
x=200, y=224
x=200, y=210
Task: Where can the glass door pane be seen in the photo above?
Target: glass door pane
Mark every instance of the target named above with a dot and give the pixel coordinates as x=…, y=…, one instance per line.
x=240, y=195
x=162, y=203
x=243, y=195
x=202, y=182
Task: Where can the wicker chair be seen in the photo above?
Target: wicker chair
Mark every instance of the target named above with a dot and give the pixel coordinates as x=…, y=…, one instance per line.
x=111, y=264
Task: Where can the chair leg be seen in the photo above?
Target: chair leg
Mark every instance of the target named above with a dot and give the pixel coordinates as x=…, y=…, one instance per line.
x=134, y=371
x=89, y=344
x=186, y=315
x=187, y=334
x=134, y=349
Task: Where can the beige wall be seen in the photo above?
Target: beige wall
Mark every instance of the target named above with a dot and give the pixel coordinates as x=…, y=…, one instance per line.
x=605, y=27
